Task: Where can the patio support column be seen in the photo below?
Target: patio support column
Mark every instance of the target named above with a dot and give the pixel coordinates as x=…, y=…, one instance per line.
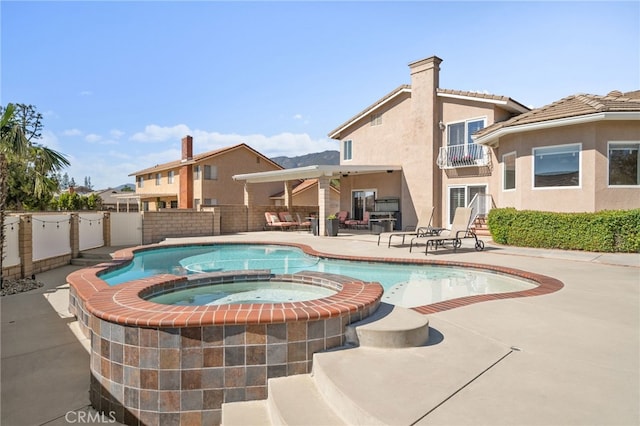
x=288, y=194
x=324, y=201
x=249, y=204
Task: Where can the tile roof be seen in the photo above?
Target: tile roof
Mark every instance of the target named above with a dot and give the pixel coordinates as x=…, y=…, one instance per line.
x=572, y=106
x=177, y=163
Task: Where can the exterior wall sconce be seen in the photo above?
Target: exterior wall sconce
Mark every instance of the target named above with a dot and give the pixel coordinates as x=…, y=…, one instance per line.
x=442, y=125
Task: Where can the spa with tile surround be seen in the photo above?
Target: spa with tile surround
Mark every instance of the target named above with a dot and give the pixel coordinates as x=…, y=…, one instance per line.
x=154, y=363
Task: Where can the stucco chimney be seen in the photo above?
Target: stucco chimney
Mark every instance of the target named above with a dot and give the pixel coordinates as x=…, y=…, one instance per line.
x=187, y=148
x=425, y=135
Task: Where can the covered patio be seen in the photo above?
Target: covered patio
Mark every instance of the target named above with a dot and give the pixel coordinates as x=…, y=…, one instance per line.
x=323, y=173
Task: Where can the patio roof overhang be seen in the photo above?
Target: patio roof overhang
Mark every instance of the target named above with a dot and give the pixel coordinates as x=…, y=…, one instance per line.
x=313, y=172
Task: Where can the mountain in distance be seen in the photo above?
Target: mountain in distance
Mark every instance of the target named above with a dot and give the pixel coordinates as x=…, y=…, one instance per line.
x=322, y=158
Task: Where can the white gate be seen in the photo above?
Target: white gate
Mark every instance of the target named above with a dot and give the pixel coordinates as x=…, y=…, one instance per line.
x=90, y=227
x=126, y=229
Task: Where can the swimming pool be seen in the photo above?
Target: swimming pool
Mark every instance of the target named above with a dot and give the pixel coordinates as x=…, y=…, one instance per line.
x=404, y=285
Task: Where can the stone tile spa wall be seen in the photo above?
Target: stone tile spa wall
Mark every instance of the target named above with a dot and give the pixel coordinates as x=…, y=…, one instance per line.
x=158, y=364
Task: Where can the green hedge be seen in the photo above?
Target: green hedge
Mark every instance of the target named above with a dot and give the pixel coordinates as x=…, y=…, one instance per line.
x=604, y=231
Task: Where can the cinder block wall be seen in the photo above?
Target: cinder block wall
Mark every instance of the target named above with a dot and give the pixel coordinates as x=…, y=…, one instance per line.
x=176, y=223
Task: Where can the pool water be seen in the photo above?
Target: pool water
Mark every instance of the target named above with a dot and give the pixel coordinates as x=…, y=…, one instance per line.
x=404, y=285
x=244, y=292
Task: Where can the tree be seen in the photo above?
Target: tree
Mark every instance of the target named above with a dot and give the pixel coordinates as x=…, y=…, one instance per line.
x=25, y=166
x=31, y=167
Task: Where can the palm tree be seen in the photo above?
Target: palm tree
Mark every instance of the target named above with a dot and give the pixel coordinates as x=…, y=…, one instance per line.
x=15, y=124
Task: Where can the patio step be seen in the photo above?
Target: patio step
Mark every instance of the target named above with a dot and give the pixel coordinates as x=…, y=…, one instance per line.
x=86, y=258
x=331, y=395
x=389, y=327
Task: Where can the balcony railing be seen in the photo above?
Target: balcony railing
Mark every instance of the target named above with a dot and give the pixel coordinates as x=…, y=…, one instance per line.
x=469, y=155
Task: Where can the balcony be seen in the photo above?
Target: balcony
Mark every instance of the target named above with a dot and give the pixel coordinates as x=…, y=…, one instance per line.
x=469, y=155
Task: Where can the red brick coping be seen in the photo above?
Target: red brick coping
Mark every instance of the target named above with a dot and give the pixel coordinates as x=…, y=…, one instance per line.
x=122, y=304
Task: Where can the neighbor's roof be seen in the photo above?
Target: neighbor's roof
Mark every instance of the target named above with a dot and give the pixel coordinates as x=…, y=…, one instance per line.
x=303, y=186
x=573, y=109
x=504, y=101
x=197, y=158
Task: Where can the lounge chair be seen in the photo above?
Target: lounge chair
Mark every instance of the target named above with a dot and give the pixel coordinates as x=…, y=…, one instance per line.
x=287, y=217
x=354, y=223
x=459, y=229
x=273, y=221
x=422, y=229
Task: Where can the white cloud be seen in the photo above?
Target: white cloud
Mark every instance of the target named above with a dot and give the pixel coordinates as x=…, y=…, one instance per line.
x=155, y=133
x=116, y=134
x=86, y=93
x=93, y=138
x=287, y=144
x=72, y=132
x=297, y=117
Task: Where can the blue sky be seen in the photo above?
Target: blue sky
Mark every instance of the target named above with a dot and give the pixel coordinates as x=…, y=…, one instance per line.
x=120, y=83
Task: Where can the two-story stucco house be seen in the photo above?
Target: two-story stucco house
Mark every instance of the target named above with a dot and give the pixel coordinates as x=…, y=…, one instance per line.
x=203, y=179
x=579, y=154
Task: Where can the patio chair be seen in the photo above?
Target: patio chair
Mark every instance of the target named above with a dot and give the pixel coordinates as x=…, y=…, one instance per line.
x=273, y=221
x=423, y=228
x=354, y=223
x=459, y=229
x=342, y=217
x=303, y=224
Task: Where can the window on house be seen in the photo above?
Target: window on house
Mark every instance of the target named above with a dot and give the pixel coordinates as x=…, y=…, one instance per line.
x=145, y=206
x=170, y=176
x=347, y=149
x=196, y=203
x=460, y=142
x=556, y=166
x=210, y=172
x=624, y=164
x=376, y=119
x=174, y=204
x=140, y=182
x=210, y=201
x=509, y=171
x=196, y=172
x=158, y=178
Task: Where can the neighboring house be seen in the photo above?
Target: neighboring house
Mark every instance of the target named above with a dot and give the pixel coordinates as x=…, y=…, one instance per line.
x=305, y=193
x=579, y=154
x=117, y=200
x=203, y=179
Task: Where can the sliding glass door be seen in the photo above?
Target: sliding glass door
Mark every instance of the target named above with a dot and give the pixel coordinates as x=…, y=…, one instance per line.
x=362, y=200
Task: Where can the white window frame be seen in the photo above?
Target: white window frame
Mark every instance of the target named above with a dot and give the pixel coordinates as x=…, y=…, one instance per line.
x=170, y=176
x=609, y=185
x=140, y=181
x=196, y=172
x=158, y=179
x=467, y=198
x=504, y=171
x=347, y=150
x=547, y=188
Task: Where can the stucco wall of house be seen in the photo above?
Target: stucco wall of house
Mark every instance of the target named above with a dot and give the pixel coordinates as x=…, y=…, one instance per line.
x=228, y=191
x=593, y=194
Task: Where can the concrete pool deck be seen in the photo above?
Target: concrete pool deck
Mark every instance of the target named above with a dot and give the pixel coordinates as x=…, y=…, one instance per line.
x=578, y=360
